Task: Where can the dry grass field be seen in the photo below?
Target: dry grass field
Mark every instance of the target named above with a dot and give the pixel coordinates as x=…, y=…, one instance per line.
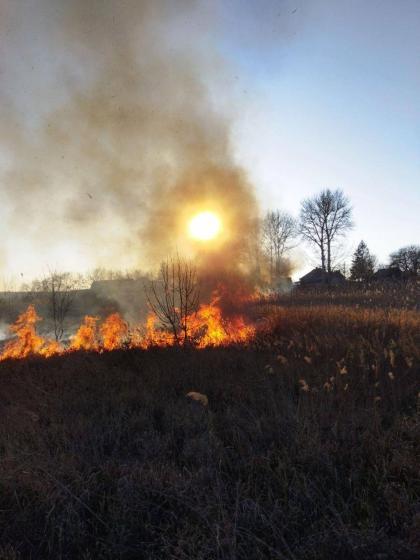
x=305, y=448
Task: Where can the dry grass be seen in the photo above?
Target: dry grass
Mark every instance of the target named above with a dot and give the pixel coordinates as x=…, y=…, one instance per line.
x=400, y=295
x=306, y=448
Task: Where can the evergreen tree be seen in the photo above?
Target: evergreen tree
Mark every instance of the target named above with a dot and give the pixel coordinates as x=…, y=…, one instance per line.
x=363, y=263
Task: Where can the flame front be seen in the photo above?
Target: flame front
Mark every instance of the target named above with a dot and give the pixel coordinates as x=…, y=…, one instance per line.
x=85, y=337
x=206, y=328
x=209, y=327
x=27, y=340
x=114, y=331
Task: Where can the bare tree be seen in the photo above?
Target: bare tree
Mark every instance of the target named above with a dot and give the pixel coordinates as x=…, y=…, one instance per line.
x=99, y=274
x=407, y=259
x=323, y=218
x=279, y=230
x=60, y=287
x=174, y=297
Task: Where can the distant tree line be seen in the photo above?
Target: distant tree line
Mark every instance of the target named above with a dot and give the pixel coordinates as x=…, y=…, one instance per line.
x=324, y=219
x=59, y=289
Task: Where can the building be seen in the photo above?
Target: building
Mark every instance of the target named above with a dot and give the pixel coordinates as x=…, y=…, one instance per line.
x=319, y=277
x=391, y=273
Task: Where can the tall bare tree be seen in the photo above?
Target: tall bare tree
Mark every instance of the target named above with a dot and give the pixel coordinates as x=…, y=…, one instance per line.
x=323, y=218
x=174, y=296
x=279, y=230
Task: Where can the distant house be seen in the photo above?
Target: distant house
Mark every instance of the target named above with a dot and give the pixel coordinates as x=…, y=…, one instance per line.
x=320, y=277
x=391, y=273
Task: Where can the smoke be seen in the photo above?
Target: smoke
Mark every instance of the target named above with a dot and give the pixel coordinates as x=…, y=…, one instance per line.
x=4, y=331
x=112, y=136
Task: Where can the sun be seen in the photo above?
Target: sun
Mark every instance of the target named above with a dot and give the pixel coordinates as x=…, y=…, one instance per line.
x=204, y=226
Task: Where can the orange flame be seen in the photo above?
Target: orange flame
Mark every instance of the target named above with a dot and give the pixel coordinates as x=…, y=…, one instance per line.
x=205, y=328
x=27, y=342
x=50, y=348
x=85, y=337
x=151, y=335
x=114, y=331
x=209, y=328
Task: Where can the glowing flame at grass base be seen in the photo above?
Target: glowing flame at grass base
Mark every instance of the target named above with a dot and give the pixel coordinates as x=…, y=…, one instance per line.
x=27, y=341
x=207, y=328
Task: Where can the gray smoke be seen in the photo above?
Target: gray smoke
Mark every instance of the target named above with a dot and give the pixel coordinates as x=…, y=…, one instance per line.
x=110, y=134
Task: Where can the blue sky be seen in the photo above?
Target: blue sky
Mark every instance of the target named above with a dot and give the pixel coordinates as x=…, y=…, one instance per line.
x=331, y=92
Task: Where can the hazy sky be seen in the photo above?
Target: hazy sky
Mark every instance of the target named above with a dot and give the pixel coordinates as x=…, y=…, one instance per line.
x=318, y=93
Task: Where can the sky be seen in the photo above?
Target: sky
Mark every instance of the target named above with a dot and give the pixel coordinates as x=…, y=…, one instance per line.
x=317, y=94
x=334, y=102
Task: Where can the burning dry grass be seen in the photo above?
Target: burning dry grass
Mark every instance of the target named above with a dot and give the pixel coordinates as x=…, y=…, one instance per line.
x=301, y=446
x=27, y=341
x=206, y=328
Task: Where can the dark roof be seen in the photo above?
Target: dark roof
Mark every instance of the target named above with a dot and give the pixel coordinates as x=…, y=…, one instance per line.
x=320, y=276
x=389, y=273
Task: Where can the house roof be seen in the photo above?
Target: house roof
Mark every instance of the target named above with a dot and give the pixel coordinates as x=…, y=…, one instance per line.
x=390, y=272
x=318, y=275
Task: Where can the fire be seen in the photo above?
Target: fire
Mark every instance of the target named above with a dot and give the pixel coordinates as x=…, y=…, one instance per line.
x=204, y=226
x=206, y=328
x=155, y=336
x=217, y=331
x=114, y=331
x=86, y=337
x=50, y=348
x=27, y=341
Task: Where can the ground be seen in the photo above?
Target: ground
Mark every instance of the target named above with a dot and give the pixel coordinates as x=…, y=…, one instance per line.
x=306, y=449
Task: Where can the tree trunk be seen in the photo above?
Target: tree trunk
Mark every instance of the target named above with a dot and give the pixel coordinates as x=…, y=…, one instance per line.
x=271, y=266
x=329, y=255
x=322, y=256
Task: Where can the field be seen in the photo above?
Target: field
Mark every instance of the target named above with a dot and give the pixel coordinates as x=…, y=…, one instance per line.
x=305, y=445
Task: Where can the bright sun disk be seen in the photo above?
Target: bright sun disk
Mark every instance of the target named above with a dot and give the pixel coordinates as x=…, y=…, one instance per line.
x=204, y=226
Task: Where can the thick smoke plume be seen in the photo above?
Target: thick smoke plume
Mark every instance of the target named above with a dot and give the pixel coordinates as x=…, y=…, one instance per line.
x=112, y=138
